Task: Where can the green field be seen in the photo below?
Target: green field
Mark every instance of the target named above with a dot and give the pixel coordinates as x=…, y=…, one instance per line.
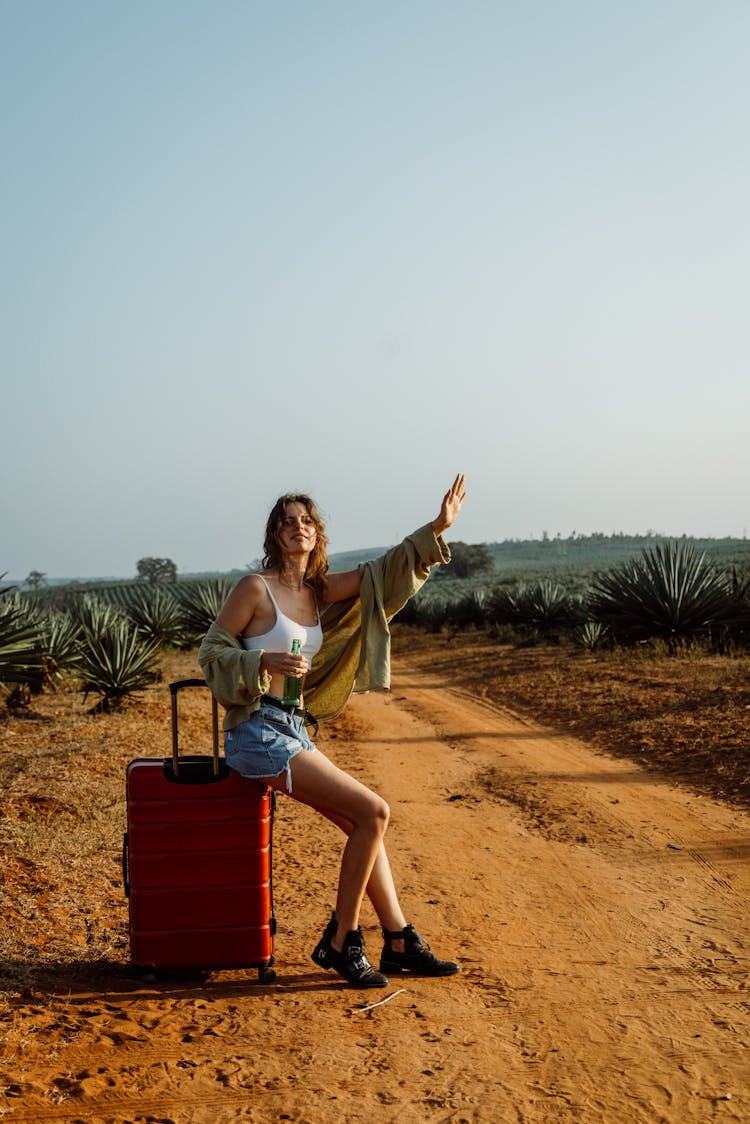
x=575, y=560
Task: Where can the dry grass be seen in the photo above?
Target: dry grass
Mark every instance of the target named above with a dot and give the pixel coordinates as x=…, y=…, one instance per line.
x=62, y=778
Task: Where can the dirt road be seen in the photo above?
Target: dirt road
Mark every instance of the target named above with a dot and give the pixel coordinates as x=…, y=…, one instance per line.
x=600, y=916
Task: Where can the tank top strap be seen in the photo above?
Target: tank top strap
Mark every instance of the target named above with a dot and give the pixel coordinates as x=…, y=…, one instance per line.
x=273, y=599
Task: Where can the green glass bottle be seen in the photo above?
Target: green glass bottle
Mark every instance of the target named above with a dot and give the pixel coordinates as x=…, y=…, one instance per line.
x=292, y=685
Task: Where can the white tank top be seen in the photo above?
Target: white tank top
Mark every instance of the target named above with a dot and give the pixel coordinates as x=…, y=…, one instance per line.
x=284, y=630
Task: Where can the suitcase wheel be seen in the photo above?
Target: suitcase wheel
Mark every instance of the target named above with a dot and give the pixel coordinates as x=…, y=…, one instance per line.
x=266, y=975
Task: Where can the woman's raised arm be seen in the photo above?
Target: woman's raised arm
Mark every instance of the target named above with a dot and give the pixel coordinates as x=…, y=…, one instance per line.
x=339, y=587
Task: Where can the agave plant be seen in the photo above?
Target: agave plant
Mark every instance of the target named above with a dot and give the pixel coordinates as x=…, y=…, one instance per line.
x=201, y=605
x=741, y=584
x=543, y=606
x=116, y=664
x=671, y=592
x=433, y=614
x=95, y=617
x=468, y=610
x=591, y=635
x=740, y=581
x=502, y=607
x=156, y=614
x=8, y=588
x=21, y=648
x=61, y=640
x=424, y=610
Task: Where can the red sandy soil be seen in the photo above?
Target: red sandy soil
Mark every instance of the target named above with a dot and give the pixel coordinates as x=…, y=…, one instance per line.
x=588, y=877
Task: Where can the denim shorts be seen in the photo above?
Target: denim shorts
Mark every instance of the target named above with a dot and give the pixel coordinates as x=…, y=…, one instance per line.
x=264, y=745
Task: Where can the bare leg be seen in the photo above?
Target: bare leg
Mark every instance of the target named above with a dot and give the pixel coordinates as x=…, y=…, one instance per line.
x=363, y=815
x=381, y=889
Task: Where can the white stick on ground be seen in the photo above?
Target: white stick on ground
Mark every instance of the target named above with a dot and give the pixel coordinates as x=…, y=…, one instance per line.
x=380, y=1002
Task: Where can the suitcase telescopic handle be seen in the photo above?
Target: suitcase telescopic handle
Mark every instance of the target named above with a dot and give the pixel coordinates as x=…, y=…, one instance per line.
x=174, y=688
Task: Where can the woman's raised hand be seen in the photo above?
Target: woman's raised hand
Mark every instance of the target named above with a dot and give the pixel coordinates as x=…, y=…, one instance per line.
x=451, y=505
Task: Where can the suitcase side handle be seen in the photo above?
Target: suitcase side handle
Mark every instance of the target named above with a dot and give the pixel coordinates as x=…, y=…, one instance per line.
x=174, y=688
x=126, y=865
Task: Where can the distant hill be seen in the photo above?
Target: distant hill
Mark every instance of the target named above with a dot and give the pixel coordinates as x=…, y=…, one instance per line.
x=599, y=552
x=348, y=559
x=345, y=560
x=576, y=554
x=596, y=551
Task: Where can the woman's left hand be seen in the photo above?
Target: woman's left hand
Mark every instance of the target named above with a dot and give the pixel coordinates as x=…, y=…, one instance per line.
x=451, y=505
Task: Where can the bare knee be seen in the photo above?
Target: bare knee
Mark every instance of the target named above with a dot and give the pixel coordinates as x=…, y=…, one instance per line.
x=381, y=813
x=373, y=817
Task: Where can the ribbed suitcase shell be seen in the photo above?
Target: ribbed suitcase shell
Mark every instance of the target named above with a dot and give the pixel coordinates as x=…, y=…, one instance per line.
x=197, y=865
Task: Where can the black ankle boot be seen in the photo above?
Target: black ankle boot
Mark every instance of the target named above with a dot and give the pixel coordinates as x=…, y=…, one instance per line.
x=416, y=957
x=351, y=963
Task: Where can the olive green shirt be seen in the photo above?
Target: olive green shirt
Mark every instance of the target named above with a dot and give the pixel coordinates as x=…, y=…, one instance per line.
x=355, y=655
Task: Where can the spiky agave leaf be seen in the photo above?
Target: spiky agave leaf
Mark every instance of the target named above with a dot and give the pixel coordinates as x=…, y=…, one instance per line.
x=156, y=613
x=201, y=603
x=95, y=617
x=21, y=649
x=469, y=609
x=740, y=581
x=59, y=643
x=424, y=610
x=671, y=592
x=61, y=638
x=546, y=606
x=502, y=605
x=542, y=605
x=117, y=664
x=591, y=635
x=741, y=584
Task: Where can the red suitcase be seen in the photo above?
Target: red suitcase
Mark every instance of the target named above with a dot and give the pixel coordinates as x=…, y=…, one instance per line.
x=197, y=861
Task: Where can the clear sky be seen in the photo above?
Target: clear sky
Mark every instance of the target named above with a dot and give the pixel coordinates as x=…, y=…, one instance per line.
x=352, y=248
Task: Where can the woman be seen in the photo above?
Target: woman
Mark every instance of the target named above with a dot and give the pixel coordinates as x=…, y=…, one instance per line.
x=342, y=619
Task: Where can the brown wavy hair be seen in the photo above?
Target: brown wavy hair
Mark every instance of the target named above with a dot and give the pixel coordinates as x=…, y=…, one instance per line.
x=317, y=563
